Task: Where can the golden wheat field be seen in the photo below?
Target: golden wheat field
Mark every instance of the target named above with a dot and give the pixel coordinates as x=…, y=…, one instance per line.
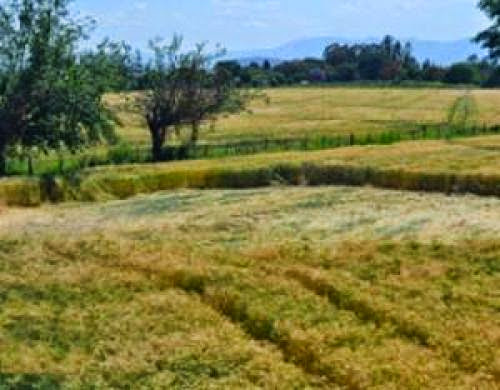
x=279, y=288
x=302, y=112
x=233, y=279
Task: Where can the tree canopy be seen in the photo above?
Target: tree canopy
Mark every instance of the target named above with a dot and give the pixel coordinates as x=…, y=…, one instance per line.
x=48, y=100
x=388, y=60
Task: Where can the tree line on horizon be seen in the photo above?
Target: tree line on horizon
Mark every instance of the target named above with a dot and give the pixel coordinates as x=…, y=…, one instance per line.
x=51, y=93
x=389, y=61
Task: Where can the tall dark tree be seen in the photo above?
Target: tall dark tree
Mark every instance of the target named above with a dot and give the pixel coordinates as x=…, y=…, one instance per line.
x=231, y=69
x=47, y=99
x=490, y=38
x=185, y=92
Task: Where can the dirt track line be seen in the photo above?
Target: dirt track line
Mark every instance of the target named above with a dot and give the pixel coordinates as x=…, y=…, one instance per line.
x=362, y=309
x=448, y=349
x=260, y=327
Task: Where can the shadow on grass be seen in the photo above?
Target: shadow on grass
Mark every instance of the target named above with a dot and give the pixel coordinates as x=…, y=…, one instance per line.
x=29, y=381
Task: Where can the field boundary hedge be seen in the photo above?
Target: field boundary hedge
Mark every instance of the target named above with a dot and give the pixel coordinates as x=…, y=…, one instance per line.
x=106, y=185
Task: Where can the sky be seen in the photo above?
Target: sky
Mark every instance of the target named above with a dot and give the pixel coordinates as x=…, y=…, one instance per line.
x=253, y=24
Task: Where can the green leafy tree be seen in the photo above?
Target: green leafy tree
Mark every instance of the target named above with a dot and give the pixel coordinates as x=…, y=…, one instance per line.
x=111, y=65
x=48, y=100
x=490, y=38
x=184, y=92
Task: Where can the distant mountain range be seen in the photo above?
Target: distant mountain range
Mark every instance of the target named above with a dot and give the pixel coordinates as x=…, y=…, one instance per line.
x=439, y=52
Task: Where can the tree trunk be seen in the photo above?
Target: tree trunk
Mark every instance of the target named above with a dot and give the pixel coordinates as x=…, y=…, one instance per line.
x=157, y=140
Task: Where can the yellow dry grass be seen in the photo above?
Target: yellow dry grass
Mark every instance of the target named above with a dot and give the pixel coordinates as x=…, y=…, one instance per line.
x=270, y=288
x=439, y=156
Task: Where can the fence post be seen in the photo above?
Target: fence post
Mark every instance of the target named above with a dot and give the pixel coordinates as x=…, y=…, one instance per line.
x=351, y=139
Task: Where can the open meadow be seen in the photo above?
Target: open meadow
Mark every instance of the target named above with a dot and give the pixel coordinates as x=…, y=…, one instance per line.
x=249, y=272
x=280, y=288
x=322, y=213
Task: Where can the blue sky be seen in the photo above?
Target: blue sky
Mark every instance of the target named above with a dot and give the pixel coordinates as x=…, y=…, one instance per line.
x=250, y=24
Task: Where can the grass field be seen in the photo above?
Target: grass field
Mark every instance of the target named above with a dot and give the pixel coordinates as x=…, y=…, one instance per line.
x=301, y=112
x=472, y=155
x=236, y=280
x=294, y=114
x=270, y=288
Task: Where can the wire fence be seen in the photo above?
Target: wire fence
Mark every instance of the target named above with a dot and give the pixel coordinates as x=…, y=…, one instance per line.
x=129, y=154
